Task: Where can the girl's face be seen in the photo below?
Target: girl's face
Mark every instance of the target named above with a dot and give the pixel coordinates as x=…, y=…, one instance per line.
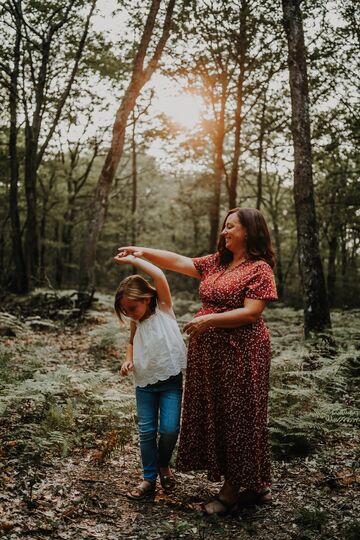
x=135, y=309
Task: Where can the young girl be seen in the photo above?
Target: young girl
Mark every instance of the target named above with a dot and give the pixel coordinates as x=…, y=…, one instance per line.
x=157, y=354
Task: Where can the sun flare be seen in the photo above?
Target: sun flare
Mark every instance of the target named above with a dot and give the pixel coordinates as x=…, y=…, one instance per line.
x=179, y=106
x=183, y=109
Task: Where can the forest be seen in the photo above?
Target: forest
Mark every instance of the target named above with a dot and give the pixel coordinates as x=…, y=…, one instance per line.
x=142, y=123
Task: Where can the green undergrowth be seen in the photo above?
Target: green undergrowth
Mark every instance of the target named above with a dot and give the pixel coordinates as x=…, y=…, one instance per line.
x=47, y=406
x=314, y=387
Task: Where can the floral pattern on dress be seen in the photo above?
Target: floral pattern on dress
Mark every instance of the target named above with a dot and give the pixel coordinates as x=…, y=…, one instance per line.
x=224, y=423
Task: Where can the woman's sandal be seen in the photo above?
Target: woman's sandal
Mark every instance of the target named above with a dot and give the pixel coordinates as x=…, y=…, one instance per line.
x=229, y=508
x=253, y=498
x=167, y=482
x=142, y=491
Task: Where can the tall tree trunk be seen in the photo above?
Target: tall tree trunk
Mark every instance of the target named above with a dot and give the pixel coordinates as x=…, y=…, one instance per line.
x=316, y=310
x=59, y=263
x=99, y=209
x=30, y=177
x=219, y=137
x=20, y=283
x=214, y=214
x=134, y=183
x=331, y=272
x=243, y=47
x=344, y=254
x=261, y=155
x=134, y=190
x=279, y=265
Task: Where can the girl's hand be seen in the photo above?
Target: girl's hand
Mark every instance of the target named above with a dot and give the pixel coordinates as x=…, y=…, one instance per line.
x=124, y=259
x=126, y=367
x=197, y=325
x=130, y=250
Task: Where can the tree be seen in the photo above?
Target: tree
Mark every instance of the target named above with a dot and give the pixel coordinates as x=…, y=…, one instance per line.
x=140, y=76
x=20, y=284
x=316, y=310
x=39, y=71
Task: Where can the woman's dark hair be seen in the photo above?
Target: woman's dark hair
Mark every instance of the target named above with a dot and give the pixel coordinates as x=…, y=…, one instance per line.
x=258, y=241
x=135, y=288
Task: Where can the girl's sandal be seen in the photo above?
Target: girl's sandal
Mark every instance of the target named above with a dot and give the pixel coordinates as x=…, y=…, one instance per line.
x=253, y=498
x=142, y=491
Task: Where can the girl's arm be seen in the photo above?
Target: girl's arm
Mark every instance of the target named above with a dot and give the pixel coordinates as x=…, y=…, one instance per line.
x=165, y=259
x=234, y=318
x=158, y=276
x=128, y=364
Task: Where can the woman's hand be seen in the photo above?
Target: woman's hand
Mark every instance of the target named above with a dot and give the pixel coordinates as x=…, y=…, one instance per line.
x=197, y=325
x=130, y=250
x=124, y=259
x=126, y=367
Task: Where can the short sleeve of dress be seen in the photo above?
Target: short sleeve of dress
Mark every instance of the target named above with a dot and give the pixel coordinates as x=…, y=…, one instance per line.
x=261, y=285
x=205, y=265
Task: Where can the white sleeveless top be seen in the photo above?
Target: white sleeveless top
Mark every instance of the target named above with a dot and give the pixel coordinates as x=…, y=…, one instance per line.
x=159, y=351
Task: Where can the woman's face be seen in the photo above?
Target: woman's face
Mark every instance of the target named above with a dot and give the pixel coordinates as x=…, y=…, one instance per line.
x=234, y=233
x=135, y=309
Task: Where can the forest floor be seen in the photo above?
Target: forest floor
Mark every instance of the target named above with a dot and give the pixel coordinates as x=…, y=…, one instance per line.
x=69, y=447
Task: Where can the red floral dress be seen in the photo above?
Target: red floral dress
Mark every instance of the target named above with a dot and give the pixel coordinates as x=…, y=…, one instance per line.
x=224, y=422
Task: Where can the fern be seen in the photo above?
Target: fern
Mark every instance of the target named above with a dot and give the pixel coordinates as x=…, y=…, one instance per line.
x=311, y=387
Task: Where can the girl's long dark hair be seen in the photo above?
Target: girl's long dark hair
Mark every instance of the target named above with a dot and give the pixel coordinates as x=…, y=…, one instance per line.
x=135, y=288
x=258, y=242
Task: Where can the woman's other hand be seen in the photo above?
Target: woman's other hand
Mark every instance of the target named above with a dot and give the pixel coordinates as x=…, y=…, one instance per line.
x=126, y=367
x=197, y=325
x=130, y=250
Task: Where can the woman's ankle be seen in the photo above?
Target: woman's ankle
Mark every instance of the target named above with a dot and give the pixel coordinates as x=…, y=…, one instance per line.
x=228, y=492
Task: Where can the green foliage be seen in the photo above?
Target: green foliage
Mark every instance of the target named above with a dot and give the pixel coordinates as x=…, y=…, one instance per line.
x=60, y=418
x=314, y=385
x=107, y=336
x=54, y=410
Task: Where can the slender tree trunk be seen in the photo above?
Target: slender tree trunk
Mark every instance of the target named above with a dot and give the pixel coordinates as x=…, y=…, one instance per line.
x=316, y=310
x=214, y=214
x=99, y=209
x=331, y=273
x=32, y=238
x=58, y=258
x=134, y=183
x=42, y=253
x=261, y=155
x=134, y=179
x=243, y=47
x=20, y=282
x=218, y=172
x=279, y=265
x=344, y=254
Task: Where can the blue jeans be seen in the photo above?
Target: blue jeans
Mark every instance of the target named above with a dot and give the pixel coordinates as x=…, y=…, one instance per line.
x=163, y=397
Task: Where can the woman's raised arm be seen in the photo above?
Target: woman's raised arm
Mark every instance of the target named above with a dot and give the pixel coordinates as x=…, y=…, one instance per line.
x=168, y=260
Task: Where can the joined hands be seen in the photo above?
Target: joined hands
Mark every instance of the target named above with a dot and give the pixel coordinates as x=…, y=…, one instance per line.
x=130, y=250
x=127, y=255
